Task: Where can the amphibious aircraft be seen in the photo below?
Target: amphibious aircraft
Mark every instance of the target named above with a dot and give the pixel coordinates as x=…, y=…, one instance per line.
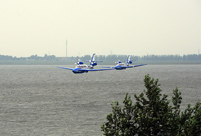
x=121, y=65
x=83, y=68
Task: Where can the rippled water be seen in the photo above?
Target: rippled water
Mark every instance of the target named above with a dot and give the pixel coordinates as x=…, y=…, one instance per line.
x=45, y=100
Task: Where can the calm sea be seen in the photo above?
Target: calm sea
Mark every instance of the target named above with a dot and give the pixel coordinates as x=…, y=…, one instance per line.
x=45, y=100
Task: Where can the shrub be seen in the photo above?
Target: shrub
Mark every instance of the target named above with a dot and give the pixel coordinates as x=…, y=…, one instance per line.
x=152, y=114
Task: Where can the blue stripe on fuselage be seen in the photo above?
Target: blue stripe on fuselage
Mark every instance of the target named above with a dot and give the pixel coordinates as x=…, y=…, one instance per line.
x=79, y=70
x=120, y=67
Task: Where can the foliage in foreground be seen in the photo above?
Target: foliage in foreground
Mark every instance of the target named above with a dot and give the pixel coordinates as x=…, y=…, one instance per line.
x=152, y=114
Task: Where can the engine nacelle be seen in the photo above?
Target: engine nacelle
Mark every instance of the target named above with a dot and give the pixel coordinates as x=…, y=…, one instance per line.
x=130, y=62
x=80, y=62
x=94, y=64
x=118, y=62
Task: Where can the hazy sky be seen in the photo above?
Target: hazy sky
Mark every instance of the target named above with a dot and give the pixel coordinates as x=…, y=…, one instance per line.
x=134, y=27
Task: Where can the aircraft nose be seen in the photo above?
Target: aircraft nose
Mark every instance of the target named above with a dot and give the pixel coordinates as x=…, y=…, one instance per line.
x=76, y=70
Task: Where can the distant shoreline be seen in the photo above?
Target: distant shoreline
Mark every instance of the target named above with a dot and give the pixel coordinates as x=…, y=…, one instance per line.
x=43, y=62
x=107, y=60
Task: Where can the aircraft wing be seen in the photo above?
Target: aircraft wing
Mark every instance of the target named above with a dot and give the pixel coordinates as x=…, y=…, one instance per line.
x=109, y=67
x=139, y=65
x=136, y=65
x=95, y=69
x=65, y=68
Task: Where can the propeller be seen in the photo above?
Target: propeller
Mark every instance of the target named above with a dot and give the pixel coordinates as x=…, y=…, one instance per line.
x=93, y=63
x=118, y=62
x=79, y=62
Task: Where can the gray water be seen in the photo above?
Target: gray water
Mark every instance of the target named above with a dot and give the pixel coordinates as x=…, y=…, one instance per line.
x=45, y=100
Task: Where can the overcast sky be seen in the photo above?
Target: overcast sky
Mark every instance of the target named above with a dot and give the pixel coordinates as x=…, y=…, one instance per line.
x=129, y=27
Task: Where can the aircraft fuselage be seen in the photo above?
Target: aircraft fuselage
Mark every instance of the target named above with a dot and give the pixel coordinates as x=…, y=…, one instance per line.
x=120, y=66
x=78, y=71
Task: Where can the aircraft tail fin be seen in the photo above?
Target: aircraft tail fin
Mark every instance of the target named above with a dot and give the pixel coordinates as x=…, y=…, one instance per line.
x=129, y=61
x=93, y=57
x=93, y=62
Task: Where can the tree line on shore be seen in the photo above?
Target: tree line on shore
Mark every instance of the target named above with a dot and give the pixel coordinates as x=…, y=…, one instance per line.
x=109, y=58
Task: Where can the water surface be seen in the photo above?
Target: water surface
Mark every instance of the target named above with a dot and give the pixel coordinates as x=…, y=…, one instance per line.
x=45, y=100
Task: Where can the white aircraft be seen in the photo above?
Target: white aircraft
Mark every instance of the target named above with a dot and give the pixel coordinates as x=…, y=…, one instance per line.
x=121, y=65
x=83, y=68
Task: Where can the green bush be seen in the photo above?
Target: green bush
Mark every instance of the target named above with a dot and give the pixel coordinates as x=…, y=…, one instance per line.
x=152, y=114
